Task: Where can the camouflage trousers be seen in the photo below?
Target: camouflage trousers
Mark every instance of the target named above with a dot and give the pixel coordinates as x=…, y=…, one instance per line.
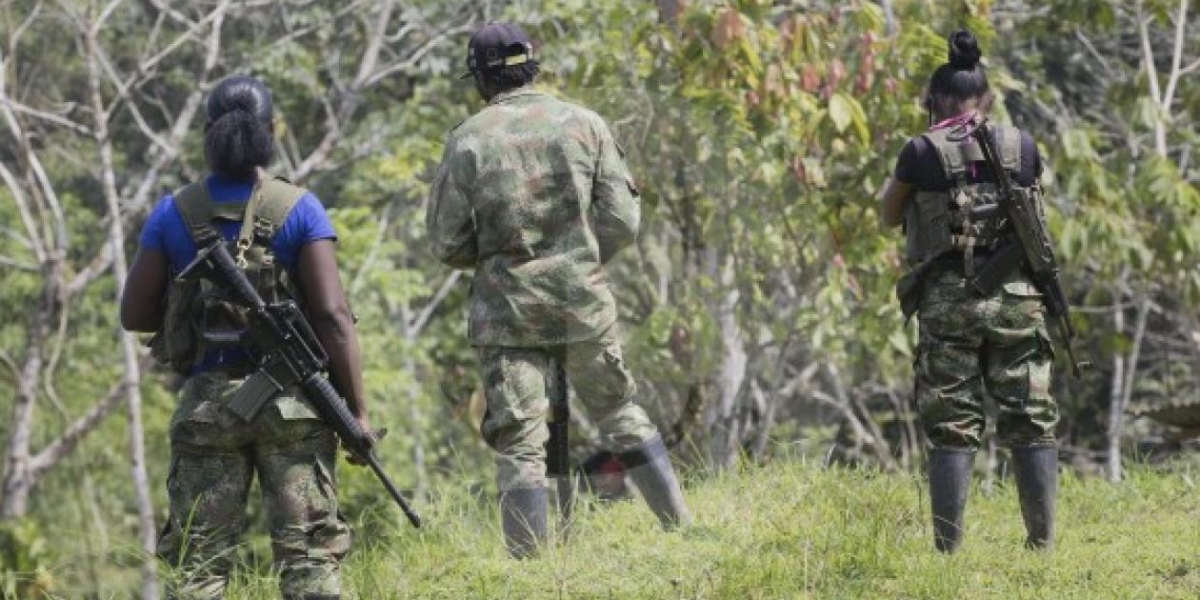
x=516, y=382
x=971, y=348
x=214, y=457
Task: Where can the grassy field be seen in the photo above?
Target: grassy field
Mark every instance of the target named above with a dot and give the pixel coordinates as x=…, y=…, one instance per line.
x=797, y=531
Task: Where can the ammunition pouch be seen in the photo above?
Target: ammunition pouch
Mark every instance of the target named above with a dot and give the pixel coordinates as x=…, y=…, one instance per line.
x=909, y=289
x=964, y=220
x=178, y=339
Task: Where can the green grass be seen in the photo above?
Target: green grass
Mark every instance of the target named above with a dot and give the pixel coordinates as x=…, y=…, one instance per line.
x=796, y=531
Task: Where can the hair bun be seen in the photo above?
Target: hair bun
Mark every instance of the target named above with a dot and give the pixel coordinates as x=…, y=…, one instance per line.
x=964, y=50
x=240, y=93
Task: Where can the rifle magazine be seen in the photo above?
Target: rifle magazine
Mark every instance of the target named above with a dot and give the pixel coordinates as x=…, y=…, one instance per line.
x=253, y=394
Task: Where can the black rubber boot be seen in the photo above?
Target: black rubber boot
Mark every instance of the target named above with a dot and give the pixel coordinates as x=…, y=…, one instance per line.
x=1036, y=471
x=523, y=519
x=949, y=482
x=649, y=466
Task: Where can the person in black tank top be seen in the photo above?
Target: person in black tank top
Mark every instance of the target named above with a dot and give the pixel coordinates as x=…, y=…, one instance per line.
x=972, y=346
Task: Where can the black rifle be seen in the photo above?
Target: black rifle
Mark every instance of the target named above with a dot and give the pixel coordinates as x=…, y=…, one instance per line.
x=558, y=458
x=291, y=355
x=1033, y=247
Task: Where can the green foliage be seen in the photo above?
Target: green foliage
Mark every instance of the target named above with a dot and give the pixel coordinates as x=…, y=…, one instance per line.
x=25, y=561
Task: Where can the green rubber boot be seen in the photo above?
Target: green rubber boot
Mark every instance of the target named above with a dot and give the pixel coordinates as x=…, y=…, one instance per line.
x=649, y=467
x=523, y=519
x=949, y=482
x=1036, y=471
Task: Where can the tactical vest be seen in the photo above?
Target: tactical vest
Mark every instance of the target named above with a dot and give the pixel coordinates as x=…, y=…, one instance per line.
x=198, y=318
x=967, y=218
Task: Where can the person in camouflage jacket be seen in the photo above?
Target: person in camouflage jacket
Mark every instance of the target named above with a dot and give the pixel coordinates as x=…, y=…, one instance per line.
x=533, y=194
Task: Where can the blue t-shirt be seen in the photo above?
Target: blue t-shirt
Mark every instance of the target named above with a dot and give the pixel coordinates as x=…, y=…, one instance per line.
x=166, y=232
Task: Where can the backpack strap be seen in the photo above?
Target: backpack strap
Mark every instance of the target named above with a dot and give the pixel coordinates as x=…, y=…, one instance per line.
x=270, y=204
x=955, y=156
x=1008, y=143
x=264, y=214
x=271, y=201
x=196, y=208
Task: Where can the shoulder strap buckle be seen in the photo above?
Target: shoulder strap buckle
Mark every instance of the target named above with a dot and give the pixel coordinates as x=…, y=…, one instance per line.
x=243, y=245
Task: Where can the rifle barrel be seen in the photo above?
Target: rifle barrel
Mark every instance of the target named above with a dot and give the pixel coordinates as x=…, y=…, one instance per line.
x=408, y=511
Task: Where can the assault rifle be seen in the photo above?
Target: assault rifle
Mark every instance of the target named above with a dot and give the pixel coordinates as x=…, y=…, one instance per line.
x=1032, y=247
x=291, y=355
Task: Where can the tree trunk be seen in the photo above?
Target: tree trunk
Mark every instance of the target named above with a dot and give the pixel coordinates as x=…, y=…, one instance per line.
x=18, y=481
x=418, y=438
x=132, y=376
x=1122, y=395
x=770, y=404
x=889, y=17
x=1115, y=410
x=732, y=374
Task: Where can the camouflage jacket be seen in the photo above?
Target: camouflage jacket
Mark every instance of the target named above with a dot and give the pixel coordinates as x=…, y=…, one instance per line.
x=534, y=194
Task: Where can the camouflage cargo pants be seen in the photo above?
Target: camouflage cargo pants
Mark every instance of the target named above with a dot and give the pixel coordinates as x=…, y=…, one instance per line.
x=214, y=457
x=971, y=348
x=515, y=388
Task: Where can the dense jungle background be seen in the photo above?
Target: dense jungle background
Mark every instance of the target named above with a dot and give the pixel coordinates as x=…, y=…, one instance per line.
x=757, y=305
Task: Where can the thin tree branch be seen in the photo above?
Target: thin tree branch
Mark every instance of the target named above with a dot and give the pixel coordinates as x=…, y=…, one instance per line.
x=23, y=27
x=14, y=188
x=426, y=313
x=1177, y=57
x=65, y=443
x=371, y=54
x=418, y=54
x=104, y=15
x=8, y=261
x=1160, y=134
x=47, y=116
x=1100, y=58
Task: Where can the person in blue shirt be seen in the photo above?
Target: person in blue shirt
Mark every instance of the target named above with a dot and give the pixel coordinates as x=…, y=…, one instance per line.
x=214, y=453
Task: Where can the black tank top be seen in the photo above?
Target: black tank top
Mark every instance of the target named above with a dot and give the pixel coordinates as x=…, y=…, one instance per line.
x=920, y=166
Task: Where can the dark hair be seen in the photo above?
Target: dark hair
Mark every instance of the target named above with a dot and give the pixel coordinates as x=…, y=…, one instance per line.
x=238, y=135
x=511, y=77
x=962, y=78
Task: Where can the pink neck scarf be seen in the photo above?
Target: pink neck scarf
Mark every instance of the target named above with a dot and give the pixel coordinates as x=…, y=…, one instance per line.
x=957, y=122
x=954, y=121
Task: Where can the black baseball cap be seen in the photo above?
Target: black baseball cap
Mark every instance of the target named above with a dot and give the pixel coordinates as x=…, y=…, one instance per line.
x=495, y=46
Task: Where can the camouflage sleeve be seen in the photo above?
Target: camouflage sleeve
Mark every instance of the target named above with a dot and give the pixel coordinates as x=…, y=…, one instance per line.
x=616, y=206
x=449, y=219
